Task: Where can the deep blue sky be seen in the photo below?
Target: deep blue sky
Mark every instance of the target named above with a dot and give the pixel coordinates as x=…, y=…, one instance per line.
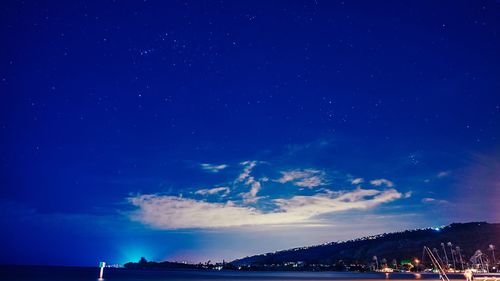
x=214, y=130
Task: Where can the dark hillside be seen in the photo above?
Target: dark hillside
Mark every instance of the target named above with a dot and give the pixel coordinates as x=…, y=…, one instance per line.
x=400, y=245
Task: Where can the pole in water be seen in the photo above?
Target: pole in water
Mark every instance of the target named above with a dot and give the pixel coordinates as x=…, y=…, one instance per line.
x=101, y=265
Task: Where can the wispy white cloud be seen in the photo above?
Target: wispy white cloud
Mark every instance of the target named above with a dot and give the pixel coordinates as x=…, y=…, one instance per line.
x=311, y=206
x=213, y=168
x=248, y=166
x=247, y=179
x=171, y=212
x=382, y=182
x=211, y=191
x=304, y=178
x=408, y=194
x=430, y=200
x=443, y=174
x=357, y=181
x=251, y=195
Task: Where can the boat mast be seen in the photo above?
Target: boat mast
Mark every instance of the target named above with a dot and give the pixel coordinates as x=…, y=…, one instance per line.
x=435, y=262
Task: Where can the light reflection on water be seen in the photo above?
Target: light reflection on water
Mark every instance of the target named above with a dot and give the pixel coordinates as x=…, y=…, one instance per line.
x=41, y=273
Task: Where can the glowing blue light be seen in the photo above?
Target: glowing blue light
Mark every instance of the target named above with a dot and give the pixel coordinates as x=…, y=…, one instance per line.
x=133, y=252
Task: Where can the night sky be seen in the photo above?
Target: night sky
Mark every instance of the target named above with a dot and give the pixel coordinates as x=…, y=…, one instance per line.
x=189, y=131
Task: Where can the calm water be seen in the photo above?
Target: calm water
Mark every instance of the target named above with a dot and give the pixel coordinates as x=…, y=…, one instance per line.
x=34, y=273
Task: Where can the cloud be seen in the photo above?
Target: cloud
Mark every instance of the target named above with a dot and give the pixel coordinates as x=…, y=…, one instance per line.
x=443, y=174
x=357, y=181
x=171, y=212
x=212, y=191
x=247, y=179
x=213, y=168
x=251, y=195
x=381, y=182
x=248, y=166
x=430, y=200
x=304, y=178
x=310, y=206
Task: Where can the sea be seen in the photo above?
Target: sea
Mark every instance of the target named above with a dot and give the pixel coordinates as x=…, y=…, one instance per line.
x=55, y=273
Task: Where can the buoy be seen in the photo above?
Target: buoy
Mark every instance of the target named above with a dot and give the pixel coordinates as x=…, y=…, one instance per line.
x=101, y=265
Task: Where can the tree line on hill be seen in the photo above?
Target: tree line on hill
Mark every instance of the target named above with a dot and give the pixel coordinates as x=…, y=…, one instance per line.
x=457, y=246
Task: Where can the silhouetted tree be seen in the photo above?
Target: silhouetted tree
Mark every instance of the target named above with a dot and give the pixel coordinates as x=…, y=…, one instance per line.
x=143, y=261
